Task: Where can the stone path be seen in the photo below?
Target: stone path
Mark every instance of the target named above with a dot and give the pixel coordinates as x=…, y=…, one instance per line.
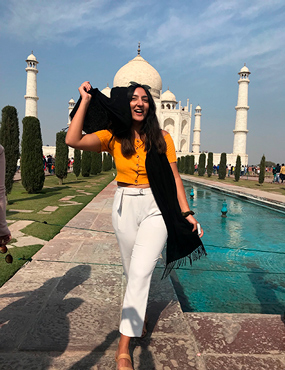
x=62, y=310
x=19, y=238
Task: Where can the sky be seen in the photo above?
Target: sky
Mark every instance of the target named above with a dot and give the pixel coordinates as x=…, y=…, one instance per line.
x=197, y=46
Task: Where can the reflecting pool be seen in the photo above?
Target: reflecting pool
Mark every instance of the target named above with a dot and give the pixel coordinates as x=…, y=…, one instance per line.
x=244, y=271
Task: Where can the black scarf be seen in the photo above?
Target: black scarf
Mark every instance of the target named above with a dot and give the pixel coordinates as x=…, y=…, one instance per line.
x=106, y=113
x=114, y=113
x=181, y=241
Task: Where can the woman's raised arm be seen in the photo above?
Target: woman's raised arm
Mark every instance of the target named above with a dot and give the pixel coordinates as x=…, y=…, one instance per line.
x=74, y=136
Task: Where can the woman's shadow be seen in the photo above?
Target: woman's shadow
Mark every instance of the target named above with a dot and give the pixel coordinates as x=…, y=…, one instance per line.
x=38, y=321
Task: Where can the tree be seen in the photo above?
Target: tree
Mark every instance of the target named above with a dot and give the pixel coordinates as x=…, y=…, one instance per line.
x=61, y=157
x=107, y=162
x=96, y=163
x=223, y=166
x=32, y=169
x=179, y=164
x=192, y=165
x=237, y=168
x=187, y=164
x=201, y=164
x=270, y=164
x=9, y=138
x=100, y=164
x=86, y=163
x=182, y=164
x=262, y=170
x=77, y=163
x=210, y=164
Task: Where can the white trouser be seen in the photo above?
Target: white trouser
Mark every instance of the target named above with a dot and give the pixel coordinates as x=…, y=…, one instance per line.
x=141, y=235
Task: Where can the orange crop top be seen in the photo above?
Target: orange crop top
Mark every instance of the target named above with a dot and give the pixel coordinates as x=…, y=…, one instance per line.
x=131, y=170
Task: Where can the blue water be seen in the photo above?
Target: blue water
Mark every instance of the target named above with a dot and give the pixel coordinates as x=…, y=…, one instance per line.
x=231, y=278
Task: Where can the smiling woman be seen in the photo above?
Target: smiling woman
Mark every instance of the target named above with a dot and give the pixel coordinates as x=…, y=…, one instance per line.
x=139, y=105
x=145, y=213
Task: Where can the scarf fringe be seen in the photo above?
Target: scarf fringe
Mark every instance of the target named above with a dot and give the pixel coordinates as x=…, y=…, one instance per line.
x=194, y=256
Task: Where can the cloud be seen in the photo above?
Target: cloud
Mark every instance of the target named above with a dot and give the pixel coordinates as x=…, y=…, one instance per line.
x=207, y=36
x=62, y=20
x=221, y=34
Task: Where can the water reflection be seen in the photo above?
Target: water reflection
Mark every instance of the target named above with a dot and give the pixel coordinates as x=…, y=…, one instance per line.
x=231, y=278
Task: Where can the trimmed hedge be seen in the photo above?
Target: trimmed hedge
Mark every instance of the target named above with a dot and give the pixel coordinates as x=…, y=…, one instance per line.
x=9, y=138
x=32, y=169
x=77, y=162
x=61, y=157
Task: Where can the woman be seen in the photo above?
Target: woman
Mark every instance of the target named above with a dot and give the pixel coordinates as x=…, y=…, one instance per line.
x=141, y=227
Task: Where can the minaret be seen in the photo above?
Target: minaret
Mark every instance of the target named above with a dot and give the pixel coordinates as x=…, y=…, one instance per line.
x=71, y=105
x=31, y=90
x=242, y=107
x=197, y=130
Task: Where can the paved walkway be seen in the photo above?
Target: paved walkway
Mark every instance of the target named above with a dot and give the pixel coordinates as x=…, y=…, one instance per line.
x=62, y=310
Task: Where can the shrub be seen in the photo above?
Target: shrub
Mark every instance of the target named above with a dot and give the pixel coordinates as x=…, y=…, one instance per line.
x=107, y=162
x=262, y=170
x=61, y=157
x=182, y=164
x=237, y=168
x=9, y=138
x=77, y=162
x=96, y=163
x=202, y=164
x=192, y=165
x=187, y=164
x=210, y=164
x=179, y=164
x=223, y=166
x=32, y=169
x=86, y=163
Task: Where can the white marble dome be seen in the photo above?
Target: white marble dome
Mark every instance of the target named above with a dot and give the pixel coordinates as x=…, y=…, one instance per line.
x=106, y=91
x=31, y=57
x=244, y=69
x=198, y=107
x=168, y=96
x=140, y=71
x=71, y=101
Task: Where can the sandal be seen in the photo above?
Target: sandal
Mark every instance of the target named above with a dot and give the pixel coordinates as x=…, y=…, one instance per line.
x=127, y=357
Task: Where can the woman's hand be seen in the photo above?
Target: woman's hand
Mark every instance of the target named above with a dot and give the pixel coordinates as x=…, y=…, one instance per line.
x=194, y=222
x=83, y=90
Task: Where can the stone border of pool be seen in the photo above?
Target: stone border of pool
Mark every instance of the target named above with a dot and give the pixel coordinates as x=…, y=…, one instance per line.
x=61, y=311
x=264, y=198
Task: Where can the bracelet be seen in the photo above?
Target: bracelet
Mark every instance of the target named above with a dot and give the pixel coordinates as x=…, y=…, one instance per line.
x=186, y=214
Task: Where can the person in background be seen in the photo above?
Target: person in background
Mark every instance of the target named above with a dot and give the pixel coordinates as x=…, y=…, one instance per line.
x=282, y=173
x=278, y=168
x=229, y=170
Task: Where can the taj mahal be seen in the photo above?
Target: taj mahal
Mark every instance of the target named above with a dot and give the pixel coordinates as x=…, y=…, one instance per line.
x=172, y=115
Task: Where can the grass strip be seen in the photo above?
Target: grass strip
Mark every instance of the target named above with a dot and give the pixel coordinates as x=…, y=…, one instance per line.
x=7, y=270
x=81, y=191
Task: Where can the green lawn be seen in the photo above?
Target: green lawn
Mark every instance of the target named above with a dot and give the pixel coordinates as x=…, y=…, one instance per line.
x=50, y=195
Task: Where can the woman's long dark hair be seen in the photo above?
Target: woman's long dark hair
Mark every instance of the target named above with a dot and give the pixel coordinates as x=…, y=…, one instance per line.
x=150, y=131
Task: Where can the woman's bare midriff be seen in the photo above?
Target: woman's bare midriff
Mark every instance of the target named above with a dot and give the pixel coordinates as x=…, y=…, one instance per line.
x=126, y=185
